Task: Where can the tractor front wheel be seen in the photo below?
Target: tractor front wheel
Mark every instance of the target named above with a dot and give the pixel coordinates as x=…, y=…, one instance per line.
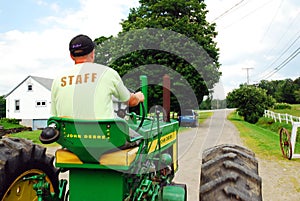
x=19, y=159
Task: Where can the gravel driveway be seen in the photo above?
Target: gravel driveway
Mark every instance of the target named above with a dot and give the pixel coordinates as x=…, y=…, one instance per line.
x=216, y=130
x=280, y=178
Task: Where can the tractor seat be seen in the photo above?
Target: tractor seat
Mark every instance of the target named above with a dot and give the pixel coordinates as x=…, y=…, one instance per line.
x=117, y=158
x=89, y=140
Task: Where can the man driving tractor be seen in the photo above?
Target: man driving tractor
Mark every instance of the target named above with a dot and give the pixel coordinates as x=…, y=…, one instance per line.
x=86, y=90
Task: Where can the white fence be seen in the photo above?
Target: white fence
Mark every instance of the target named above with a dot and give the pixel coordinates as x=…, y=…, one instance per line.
x=281, y=117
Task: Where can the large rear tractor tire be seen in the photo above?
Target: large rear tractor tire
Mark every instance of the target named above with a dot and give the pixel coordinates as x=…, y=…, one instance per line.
x=20, y=158
x=229, y=172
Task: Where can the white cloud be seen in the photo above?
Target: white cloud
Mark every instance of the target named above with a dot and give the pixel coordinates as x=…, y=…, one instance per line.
x=25, y=53
x=253, y=34
x=45, y=53
x=53, y=6
x=95, y=18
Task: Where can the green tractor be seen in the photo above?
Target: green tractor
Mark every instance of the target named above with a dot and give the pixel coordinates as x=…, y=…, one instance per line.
x=133, y=158
x=130, y=158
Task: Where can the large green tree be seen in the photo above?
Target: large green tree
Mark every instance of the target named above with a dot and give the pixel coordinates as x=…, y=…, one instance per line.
x=297, y=89
x=287, y=91
x=250, y=102
x=282, y=90
x=166, y=37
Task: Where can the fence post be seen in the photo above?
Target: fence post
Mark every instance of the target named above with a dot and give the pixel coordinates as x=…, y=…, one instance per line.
x=273, y=116
x=291, y=117
x=279, y=117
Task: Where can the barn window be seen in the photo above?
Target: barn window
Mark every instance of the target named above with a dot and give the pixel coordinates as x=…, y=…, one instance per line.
x=40, y=103
x=29, y=87
x=17, y=105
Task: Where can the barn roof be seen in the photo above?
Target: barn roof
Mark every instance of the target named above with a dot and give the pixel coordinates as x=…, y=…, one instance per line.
x=45, y=82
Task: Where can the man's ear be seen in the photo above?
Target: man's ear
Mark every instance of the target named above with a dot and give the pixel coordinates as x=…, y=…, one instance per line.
x=93, y=55
x=72, y=57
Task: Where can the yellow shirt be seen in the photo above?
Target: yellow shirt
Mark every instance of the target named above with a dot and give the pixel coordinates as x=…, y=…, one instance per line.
x=86, y=92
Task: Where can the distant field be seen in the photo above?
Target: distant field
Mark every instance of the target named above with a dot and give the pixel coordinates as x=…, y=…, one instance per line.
x=295, y=110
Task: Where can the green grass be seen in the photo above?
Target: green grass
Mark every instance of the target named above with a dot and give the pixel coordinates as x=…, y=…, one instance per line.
x=294, y=111
x=263, y=137
x=204, y=115
x=262, y=141
x=31, y=135
x=8, y=125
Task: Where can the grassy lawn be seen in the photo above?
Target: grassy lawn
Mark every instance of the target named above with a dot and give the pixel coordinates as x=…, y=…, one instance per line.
x=31, y=135
x=261, y=141
x=8, y=124
x=264, y=142
x=294, y=111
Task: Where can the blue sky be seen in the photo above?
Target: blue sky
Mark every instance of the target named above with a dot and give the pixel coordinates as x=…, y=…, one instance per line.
x=256, y=34
x=26, y=15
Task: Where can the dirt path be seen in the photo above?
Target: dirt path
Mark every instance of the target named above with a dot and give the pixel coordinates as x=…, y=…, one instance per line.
x=280, y=179
x=214, y=131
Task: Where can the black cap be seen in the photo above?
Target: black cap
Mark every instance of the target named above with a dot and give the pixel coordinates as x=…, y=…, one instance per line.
x=81, y=45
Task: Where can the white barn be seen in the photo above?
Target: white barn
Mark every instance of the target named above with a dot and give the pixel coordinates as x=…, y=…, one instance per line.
x=30, y=102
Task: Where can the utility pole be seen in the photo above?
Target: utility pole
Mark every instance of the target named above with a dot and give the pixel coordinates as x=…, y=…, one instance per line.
x=247, y=69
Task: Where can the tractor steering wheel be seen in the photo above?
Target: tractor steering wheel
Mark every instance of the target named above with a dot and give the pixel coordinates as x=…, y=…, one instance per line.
x=122, y=112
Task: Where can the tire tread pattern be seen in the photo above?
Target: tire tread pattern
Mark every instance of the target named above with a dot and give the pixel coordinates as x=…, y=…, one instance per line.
x=18, y=155
x=229, y=172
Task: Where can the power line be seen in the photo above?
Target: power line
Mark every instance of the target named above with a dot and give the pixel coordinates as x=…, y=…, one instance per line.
x=270, y=24
x=284, y=63
x=288, y=48
x=290, y=25
x=227, y=11
x=249, y=13
x=287, y=29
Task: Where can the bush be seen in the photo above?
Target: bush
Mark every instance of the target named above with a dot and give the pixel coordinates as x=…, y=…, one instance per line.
x=281, y=106
x=250, y=101
x=10, y=121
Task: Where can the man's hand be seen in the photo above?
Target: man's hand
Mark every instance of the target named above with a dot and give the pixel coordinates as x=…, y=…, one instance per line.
x=136, y=98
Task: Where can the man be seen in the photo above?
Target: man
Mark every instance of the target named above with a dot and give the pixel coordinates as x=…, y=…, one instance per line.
x=86, y=90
